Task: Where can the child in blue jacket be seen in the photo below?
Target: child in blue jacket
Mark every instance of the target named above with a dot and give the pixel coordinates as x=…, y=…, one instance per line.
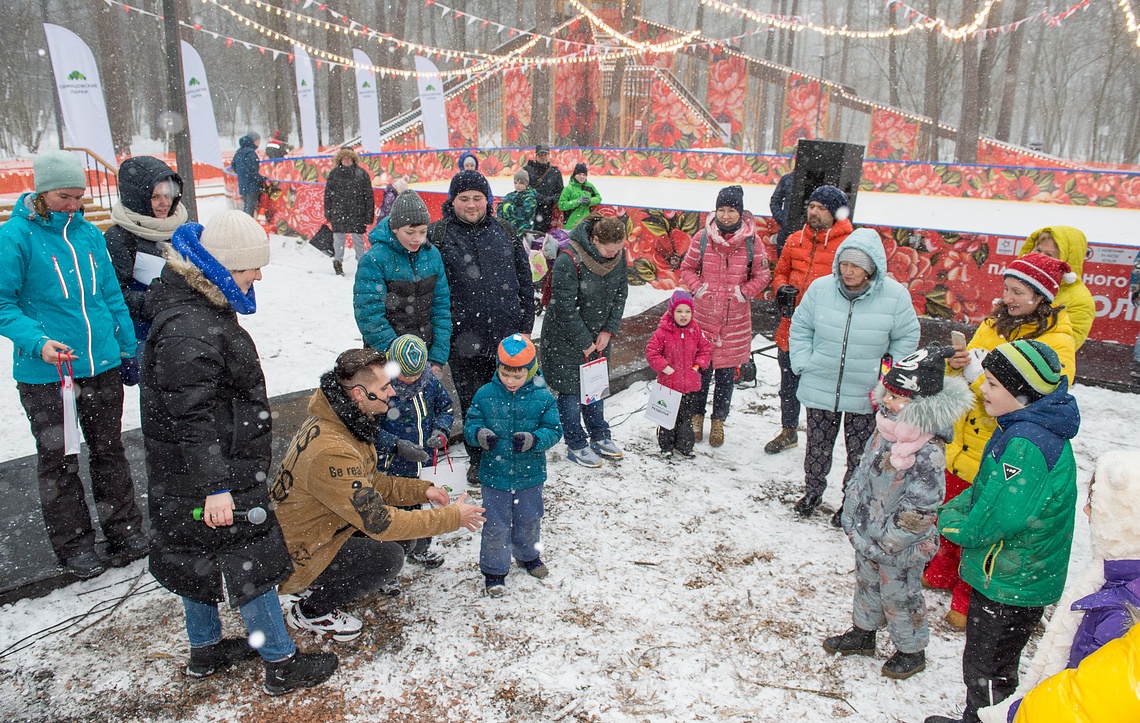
x=416, y=427
x=514, y=419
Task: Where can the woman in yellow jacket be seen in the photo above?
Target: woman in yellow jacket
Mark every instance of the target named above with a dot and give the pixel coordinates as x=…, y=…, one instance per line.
x=1069, y=245
x=1026, y=310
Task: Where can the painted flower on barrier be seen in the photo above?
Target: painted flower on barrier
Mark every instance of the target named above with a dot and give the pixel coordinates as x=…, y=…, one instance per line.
x=919, y=179
x=893, y=136
x=802, y=110
x=728, y=85
x=516, y=105
x=641, y=165
x=463, y=120
x=1127, y=192
x=671, y=123
x=656, y=245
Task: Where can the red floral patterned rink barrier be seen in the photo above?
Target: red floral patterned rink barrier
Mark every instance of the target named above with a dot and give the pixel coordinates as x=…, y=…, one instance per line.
x=951, y=276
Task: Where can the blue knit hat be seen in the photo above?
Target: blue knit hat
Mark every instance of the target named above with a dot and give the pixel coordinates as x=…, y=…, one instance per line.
x=831, y=197
x=410, y=352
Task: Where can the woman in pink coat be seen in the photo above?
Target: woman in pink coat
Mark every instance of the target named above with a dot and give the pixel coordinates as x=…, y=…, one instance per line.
x=678, y=351
x=722, y=277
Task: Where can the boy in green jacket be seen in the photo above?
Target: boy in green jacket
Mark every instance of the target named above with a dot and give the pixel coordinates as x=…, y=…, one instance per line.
x=1015, y=523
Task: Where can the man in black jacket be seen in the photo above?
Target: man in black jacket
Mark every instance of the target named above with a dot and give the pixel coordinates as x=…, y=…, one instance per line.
x=546, y=180
x=492, y=294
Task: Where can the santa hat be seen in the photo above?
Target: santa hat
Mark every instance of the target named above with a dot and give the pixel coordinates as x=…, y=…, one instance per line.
x=920, y=374
x=1044, y=274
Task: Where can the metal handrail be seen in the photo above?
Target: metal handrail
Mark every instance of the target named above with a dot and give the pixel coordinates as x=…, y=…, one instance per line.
x=106, y=175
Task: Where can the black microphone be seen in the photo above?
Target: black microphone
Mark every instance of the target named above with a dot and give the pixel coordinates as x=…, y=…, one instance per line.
x=254, y=516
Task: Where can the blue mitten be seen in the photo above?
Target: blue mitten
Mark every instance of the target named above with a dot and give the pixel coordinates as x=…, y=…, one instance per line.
x=129, y=371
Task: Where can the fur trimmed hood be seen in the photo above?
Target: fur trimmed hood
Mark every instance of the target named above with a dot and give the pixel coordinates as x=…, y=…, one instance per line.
x=194, y=277
x=935, y=414
x=1115, y=523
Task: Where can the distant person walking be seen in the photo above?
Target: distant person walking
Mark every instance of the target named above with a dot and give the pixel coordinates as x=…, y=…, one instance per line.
x=247, y=168
x=277, y=147
x=349, y=205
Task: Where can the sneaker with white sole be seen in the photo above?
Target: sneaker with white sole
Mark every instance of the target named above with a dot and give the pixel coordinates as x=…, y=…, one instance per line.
x=607, y=449
x=586, y=457
x=427, y=558
x=342, y=626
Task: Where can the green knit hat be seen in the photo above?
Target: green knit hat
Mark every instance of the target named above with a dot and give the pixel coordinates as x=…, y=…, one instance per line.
x=1027, y=368
x=53, y=170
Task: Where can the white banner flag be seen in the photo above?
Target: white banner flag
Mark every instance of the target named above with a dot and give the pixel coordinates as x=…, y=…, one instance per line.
x=85, y=123
x=306, y=99
x=204, y=146
x=368, y=101
x=433, y=112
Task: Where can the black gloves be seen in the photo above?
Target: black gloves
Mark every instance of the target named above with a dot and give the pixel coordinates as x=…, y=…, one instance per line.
x=411, y=452
x=129, y=371
x=522, y=441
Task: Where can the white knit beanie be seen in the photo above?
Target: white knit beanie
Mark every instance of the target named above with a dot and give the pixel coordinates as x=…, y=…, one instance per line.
x=237, y=241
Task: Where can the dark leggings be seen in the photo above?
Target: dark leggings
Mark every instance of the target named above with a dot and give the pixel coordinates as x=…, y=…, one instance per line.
x=722, y=395
x=680, y=437
x=996, y=634
x=360, y=568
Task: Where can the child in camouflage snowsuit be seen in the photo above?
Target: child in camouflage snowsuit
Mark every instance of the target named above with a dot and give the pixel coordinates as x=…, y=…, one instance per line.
x=889, y=509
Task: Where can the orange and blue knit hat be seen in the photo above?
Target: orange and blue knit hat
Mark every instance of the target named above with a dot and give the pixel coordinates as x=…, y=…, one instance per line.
x=518, y=351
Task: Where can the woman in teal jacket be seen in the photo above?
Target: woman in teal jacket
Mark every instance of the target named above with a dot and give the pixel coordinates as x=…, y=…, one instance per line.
x=401, y=287
x=578, y=197
x=842, y=328
x=60, y=302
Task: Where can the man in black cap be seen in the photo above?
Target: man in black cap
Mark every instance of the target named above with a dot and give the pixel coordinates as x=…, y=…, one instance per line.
x=492, y=295
x=546, y=180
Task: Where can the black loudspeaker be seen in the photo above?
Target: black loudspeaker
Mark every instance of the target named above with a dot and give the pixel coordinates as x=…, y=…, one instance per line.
x=823, y=163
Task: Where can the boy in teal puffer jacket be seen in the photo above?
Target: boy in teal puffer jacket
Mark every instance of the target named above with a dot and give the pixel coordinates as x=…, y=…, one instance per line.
x=401, y=287
x=517, y=408
x=1015, y=523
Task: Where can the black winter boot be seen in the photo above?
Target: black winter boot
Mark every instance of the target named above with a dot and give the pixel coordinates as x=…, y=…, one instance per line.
x=209, y=659
x=901, y=666
x=338, y=267
x=807, y=504
x=855, y=641
x=302, y=670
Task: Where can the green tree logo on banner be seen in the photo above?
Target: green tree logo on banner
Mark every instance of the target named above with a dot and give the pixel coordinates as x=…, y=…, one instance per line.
x=76, y=75
x=193, y=82
x=429, y=87
x=304, y=83
x=366, y=85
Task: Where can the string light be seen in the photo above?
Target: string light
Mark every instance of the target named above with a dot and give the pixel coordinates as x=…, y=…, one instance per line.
x=1130, y=19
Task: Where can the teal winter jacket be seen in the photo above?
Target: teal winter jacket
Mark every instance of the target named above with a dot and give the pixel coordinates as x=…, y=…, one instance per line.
x=397, y=293
x=531, y=409
x=57, y=282
x=836, y=344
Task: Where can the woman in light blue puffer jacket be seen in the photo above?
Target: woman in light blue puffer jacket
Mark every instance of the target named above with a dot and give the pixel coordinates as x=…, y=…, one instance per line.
x=840, y=332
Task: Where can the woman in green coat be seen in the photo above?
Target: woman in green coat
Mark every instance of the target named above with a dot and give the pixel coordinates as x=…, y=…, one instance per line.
x=586, y=306
x=578, y=198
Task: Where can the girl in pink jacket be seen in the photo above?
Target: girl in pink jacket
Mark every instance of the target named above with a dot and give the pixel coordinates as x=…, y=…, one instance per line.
x=724, y=267
x=678, y=351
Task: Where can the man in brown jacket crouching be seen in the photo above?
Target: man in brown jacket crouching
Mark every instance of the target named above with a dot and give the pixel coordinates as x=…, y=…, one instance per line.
x=338, y=513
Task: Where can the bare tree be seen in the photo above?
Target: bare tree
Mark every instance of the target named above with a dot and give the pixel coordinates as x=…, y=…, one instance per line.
x=1012, y=68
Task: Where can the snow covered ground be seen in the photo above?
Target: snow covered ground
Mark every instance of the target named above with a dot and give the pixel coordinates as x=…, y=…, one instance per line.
x=679, y=591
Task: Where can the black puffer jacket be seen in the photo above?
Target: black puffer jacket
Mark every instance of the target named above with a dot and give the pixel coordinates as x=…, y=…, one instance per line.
x=206, y=424
x=137, y=178
x=488, y=272
x=546, y=180
x=349, y=203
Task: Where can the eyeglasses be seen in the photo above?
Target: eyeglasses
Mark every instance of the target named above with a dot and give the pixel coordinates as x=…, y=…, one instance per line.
x=369, y=395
